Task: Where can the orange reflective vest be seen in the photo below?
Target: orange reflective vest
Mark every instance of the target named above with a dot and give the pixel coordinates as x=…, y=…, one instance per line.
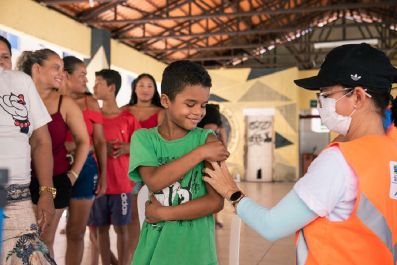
x=392, y=132
x=369, y=235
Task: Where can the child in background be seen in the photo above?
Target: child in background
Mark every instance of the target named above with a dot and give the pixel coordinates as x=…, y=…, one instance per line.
x=115, y=206
x=212, y=120
x=179, y=227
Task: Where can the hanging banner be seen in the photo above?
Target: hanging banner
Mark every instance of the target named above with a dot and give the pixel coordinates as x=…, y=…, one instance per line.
x=259, y=144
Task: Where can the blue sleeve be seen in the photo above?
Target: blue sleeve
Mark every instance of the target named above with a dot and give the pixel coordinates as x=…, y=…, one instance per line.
x=287, y=217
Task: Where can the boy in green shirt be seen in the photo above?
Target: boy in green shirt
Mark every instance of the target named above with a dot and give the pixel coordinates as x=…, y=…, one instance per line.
x=169, y=159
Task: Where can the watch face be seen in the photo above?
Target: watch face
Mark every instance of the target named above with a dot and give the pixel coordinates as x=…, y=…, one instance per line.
x=235, y=195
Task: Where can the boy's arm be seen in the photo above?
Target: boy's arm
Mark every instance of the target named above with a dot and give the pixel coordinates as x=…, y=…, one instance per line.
x=203, y=206
x=157, y=178
x=208, y=204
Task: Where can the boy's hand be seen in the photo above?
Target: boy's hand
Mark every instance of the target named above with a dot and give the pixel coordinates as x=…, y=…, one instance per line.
x=152, y=210
x=109, y=148
x=214, y=151
x=115, y=148
x=101, y=187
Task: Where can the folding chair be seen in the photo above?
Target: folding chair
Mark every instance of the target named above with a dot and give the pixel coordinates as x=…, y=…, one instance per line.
x=143, y=196
x=234, y=243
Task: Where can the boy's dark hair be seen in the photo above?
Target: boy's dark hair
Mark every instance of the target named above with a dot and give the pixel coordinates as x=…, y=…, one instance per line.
x=134, y=97
x=2, y=39
x=70, y=62
x=112, y=77
x=180, y=74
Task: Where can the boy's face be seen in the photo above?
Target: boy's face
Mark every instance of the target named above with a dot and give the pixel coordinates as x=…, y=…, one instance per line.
x=188, y=107
x=101, y=89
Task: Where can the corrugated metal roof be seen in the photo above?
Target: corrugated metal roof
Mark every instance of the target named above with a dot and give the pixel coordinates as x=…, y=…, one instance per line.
x=246, y=33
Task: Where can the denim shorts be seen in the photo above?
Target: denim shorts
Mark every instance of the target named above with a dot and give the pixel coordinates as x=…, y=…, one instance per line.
x=112, y=209
x=85, y=185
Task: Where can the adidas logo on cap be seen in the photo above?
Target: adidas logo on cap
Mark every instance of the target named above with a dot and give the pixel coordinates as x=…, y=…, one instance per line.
x=355, y=77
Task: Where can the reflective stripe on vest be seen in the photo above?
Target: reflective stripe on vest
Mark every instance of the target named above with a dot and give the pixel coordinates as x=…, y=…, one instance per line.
x=371, y=217
x=375, y=221
x=395, y=254
x=301, y=249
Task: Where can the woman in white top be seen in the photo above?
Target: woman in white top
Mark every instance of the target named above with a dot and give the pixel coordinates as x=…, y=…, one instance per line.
x=23, y=135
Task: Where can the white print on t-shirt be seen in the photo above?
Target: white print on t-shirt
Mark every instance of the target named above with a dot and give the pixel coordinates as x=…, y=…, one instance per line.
x=21, y=112
x=16, y=107
x=393, y=180
x=167, y=195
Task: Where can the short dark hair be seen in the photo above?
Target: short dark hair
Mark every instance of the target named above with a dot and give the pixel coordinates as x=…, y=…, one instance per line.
x=70, y=62
x=2, y=39
x=182, y=73
x=134, y=97
x=111, y=77
x=212, y=116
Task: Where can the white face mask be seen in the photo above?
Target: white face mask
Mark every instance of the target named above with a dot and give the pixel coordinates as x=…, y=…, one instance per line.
x=330, y=118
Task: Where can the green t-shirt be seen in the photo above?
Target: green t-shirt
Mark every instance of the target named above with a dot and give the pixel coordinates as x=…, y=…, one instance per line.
x=178, y=242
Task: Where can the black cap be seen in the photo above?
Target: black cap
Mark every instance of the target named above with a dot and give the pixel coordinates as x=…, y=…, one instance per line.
x=353, y=65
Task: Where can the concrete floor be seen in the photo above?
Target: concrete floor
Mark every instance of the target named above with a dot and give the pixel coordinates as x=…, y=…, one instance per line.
x=254, y=250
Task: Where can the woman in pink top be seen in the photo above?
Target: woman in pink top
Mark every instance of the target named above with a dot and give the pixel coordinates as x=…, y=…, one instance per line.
x=145, y=106
x=46, y=69
x=85, y=189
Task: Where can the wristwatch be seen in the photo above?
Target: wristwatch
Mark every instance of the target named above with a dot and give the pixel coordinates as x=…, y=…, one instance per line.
x=51, y=190
x=236, y=197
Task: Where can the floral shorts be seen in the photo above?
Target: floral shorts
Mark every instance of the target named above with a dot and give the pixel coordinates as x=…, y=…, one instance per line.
x=21, y=243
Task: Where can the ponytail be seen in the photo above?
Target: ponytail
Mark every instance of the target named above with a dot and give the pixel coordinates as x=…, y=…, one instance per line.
x=25, y=62
x=27, y=59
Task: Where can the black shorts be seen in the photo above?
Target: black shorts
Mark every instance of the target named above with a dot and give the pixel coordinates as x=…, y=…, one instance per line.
x=64, y=190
